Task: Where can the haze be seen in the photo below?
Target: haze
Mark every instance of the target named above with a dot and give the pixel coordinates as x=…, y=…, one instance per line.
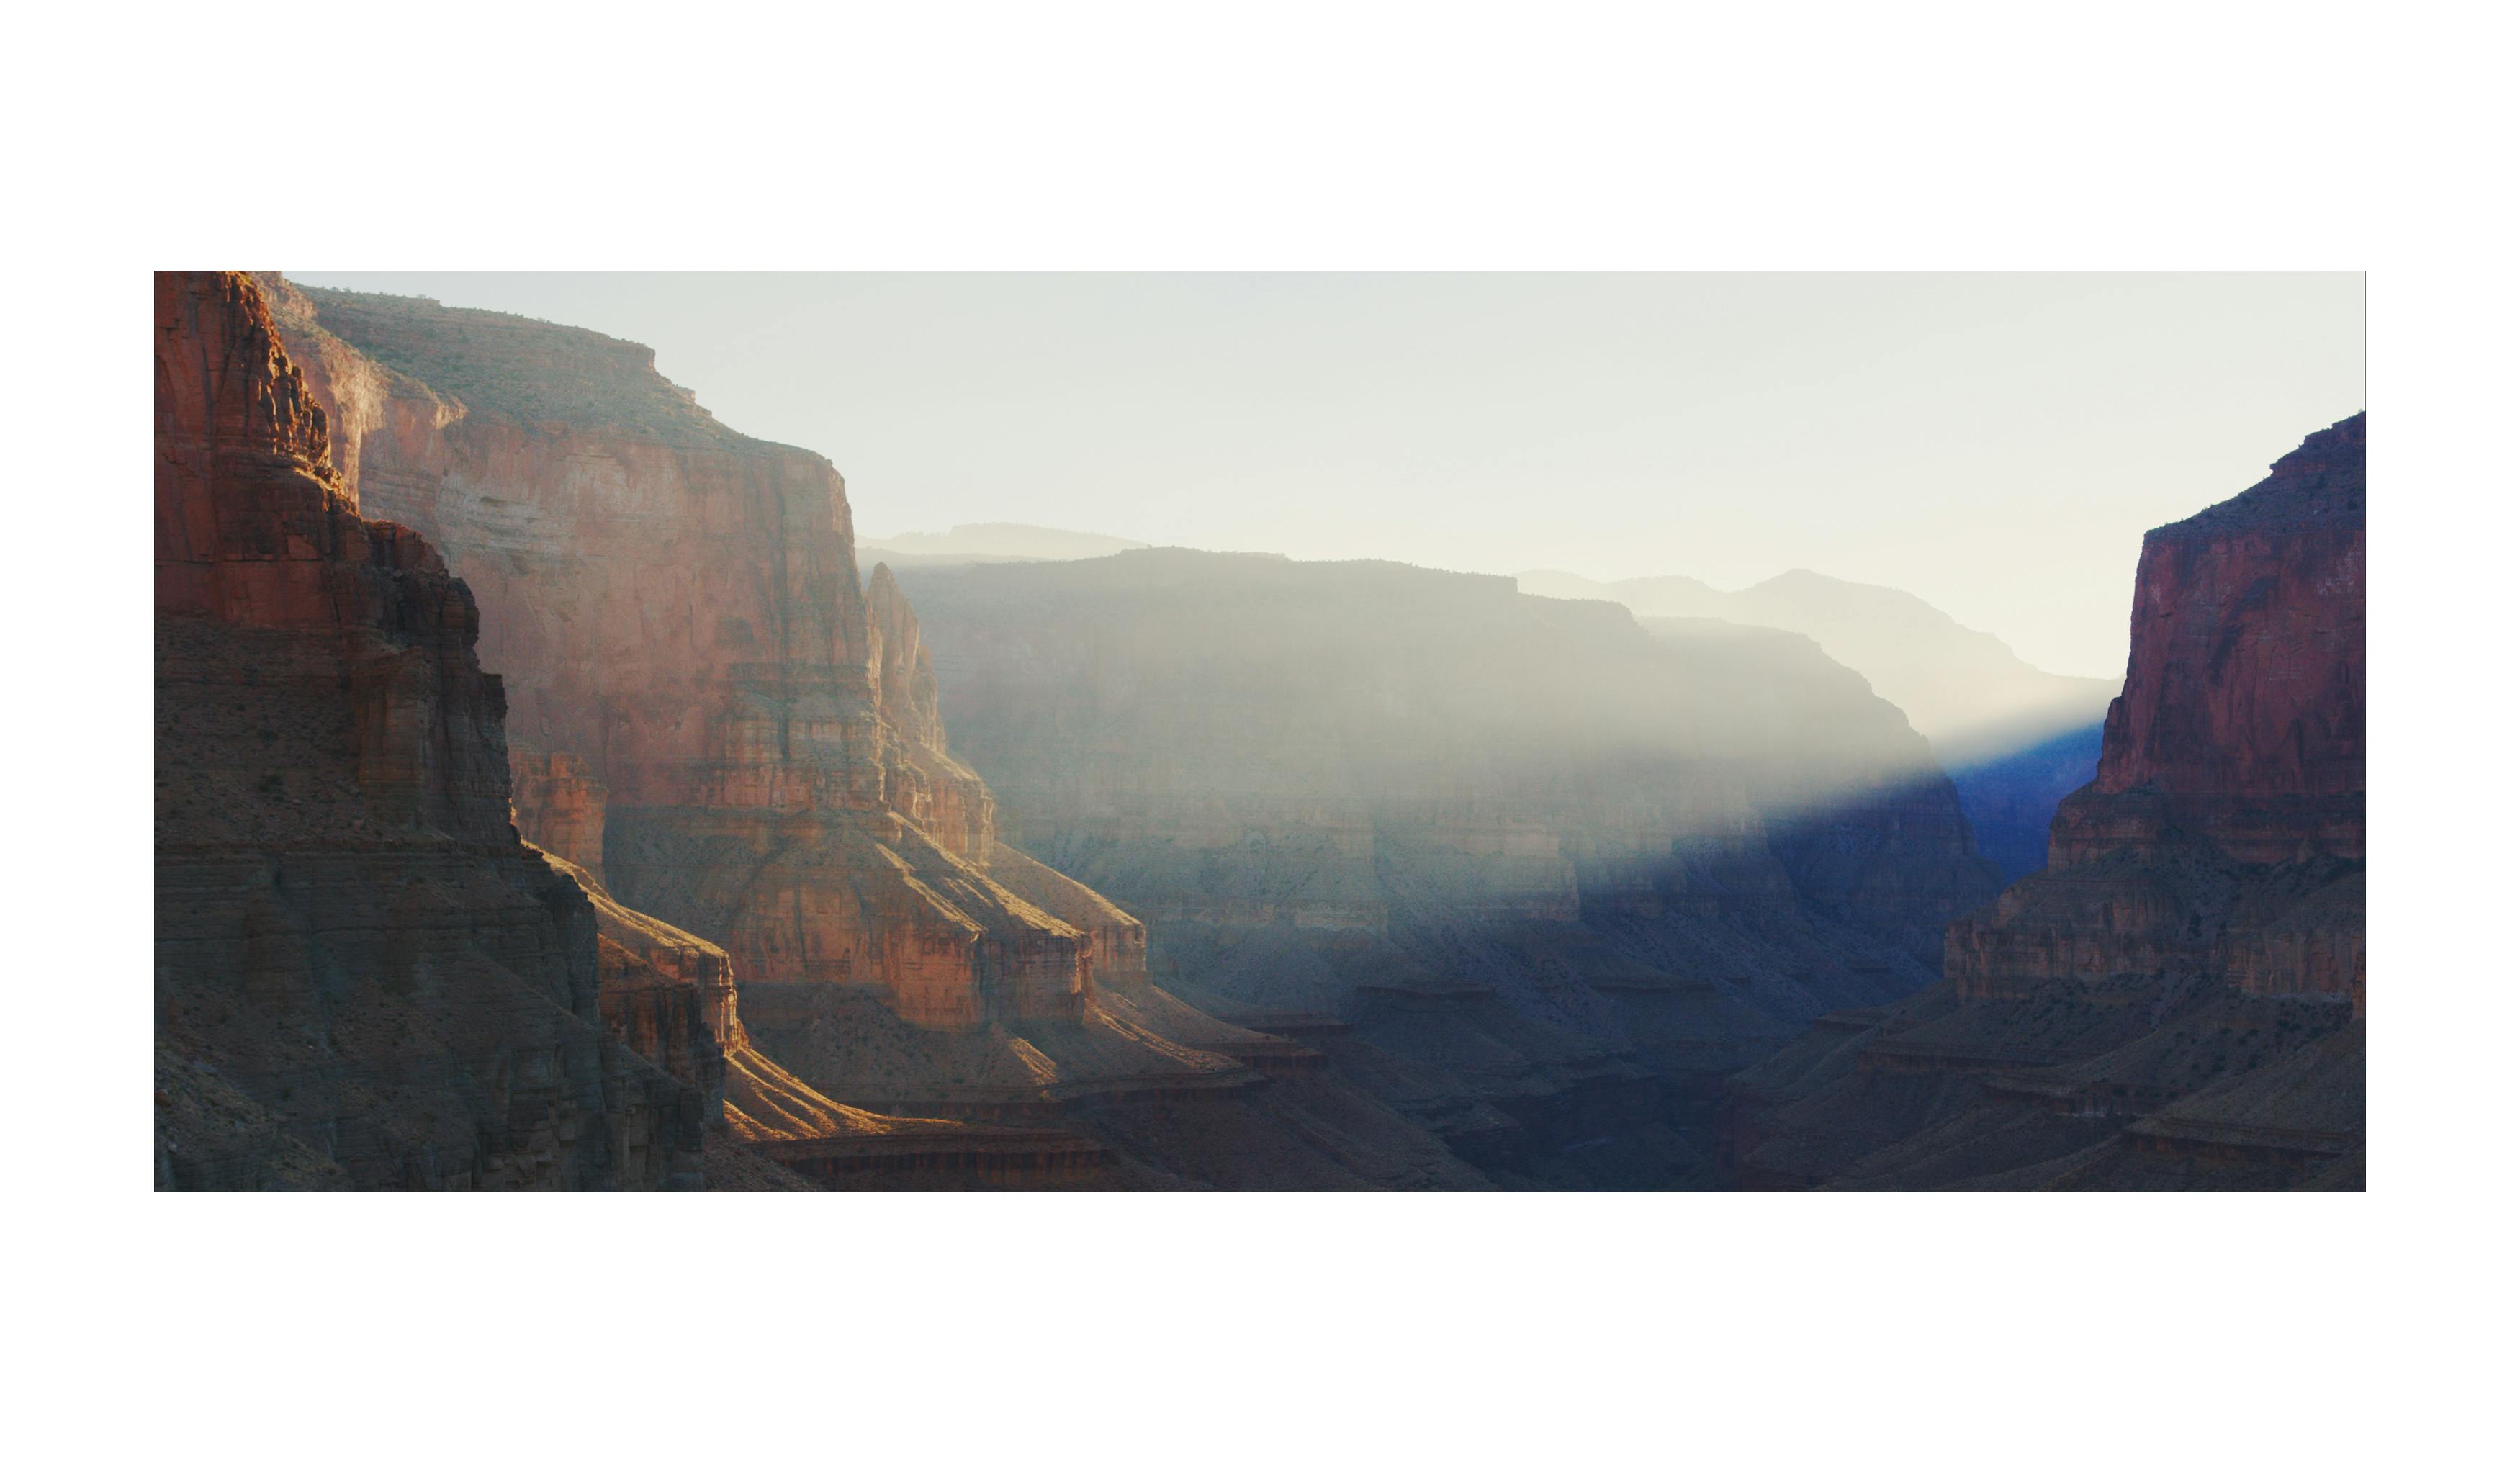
x=1997, y=444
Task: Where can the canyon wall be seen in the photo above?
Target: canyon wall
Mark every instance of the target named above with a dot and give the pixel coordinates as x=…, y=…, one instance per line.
x=2223, y=835
x=677, y=612
x=363, y=977
x=366, y=976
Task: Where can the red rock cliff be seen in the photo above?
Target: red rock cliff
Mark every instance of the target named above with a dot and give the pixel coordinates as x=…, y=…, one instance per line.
x=362, y=977
x=559, y=806
x=677, y=606
x=2243, y=702
x=2223, y=834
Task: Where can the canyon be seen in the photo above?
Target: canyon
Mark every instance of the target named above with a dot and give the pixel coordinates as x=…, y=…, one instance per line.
x=2176, y=1000
x=1552, y=873
x=718, y=731
x=552, y=793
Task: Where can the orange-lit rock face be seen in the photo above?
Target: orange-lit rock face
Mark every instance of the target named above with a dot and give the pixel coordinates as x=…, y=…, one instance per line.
x=254, y=531
x=350, y=939
x=2224, y=835
x=677, y=606
x=923, y=780
x=559, y=806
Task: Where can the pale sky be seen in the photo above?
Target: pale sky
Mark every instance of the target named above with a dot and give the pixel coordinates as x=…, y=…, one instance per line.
x=1997, y=444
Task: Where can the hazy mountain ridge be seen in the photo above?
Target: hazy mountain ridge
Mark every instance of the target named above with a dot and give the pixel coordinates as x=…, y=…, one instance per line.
x=2014, y=738
x=1966, y=691
x=991, y=543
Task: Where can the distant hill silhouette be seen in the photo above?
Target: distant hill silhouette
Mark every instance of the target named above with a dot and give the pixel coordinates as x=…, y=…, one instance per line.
x=989, y=543
x=1964, y=689
x=2014, y=738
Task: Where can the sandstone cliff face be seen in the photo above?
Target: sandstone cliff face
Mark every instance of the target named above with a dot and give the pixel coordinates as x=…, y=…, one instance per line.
x=2243, y=706
x=676, y=607
x=923, y=781
x=559, y=806
x=357, y=963
x=2223, y=834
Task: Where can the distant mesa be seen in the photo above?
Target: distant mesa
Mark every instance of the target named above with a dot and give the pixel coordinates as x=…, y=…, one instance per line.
x=988, y=543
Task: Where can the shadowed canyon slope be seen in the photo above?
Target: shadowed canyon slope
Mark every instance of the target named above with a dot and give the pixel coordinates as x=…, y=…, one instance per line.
x=2176, y=1000
x=1506, y=838
x=722, y=730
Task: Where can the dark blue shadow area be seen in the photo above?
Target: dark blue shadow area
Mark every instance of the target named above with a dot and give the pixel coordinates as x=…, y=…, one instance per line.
x=2011, y=799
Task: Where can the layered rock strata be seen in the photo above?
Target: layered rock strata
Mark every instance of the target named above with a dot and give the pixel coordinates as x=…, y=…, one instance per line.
x=559, y=806
x=677, y=610
x=2223, y=835
x=2177, y=1000
x=363, y=978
